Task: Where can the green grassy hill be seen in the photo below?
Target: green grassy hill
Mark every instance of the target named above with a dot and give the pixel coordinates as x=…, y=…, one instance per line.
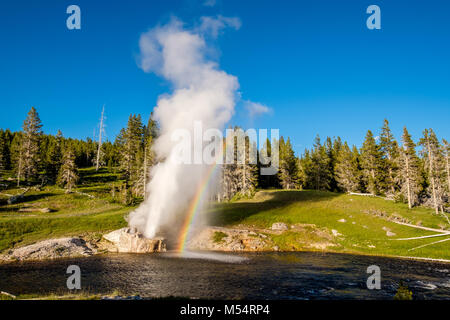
x=318, y=214
x=364, y=230
x=72, y=214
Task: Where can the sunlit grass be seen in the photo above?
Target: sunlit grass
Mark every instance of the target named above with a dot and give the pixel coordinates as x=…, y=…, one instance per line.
x=71, y=214
x=362, y=231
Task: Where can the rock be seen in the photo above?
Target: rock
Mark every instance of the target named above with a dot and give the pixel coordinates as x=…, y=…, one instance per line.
x=114, y=236
x=43, y=210
x=237, y=240
x=136, y=297
x=342, y=220
x=279, y=226
x=9, y=295
x=390, y=234
x=320, y=245
x=335, y=233
x=127, y=240
x=426, y=285
x=276, y=248
x=51, y=249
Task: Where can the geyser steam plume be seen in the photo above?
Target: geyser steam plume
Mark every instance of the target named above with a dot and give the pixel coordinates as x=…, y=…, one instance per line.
x=201, y=92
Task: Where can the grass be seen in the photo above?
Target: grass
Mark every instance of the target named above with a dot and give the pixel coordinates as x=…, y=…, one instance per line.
x=362, y=232
x=72, y=214
x=318, y=214
x=219, y=236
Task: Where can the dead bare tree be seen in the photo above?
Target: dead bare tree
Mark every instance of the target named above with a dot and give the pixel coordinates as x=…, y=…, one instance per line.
x=101, y=130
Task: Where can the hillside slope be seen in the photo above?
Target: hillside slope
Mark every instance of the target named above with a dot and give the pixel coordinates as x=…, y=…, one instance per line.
x=366, y=225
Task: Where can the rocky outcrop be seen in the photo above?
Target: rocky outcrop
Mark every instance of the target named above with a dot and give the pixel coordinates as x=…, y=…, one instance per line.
x=128, y=240
x=51, y=249
x=229, y=240
x=389, y=233
x=279, y=226
x=243, y=239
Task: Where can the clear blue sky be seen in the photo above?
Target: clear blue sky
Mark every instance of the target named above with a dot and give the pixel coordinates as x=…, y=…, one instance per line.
x=313, y=62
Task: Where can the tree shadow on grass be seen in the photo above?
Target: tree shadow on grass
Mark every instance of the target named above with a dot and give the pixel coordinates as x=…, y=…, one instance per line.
x=26, y=198
x=91, y=177
x=235, y=212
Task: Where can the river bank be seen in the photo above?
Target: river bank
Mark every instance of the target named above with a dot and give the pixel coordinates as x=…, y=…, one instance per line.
x=274, y=220
x=244, y=275
x=208, y=239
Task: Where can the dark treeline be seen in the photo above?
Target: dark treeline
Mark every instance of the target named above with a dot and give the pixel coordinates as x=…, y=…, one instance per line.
x=416, y=173
x=37, y=158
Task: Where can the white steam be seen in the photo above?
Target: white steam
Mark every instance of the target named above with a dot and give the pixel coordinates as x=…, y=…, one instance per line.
x=201, y=92
x=255, y=109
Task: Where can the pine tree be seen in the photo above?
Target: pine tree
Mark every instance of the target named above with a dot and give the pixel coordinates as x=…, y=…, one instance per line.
x=330, y=146
x=54, y=157
x=68, y=173
x=151, y=133
x=304, y=167
x=88, y=153
x=319, y=171
x=390, y=152
x=149, y=160
x=334, y=154
x=348, y=173
x=6, y=151
x=409, y=175
x=265, y=180
x=240, y=177
x=3, y=150
x=246, y=172
x=17, y=157
x=431, y=151
x=132, y=154
x=29, y=155
x=446, y=152
x=371, y=162
x=288, y=172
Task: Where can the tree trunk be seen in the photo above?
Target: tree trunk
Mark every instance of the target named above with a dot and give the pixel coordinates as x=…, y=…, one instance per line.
x=145, y=171
x=244, y=185
x=431, y=172
x=408, y=182
x=99, y=140
x=448, y=174
x=19, y=170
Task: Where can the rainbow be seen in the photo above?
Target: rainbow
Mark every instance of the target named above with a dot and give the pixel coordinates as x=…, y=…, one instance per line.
x=194, y=207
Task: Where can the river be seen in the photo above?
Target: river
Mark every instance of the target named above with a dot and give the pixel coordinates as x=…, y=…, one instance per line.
x=297, y=275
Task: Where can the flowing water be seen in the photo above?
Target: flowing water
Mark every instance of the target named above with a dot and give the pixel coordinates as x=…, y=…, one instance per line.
x=299, y=275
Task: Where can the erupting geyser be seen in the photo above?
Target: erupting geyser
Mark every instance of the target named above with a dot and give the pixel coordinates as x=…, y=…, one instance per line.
x=202, y=93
